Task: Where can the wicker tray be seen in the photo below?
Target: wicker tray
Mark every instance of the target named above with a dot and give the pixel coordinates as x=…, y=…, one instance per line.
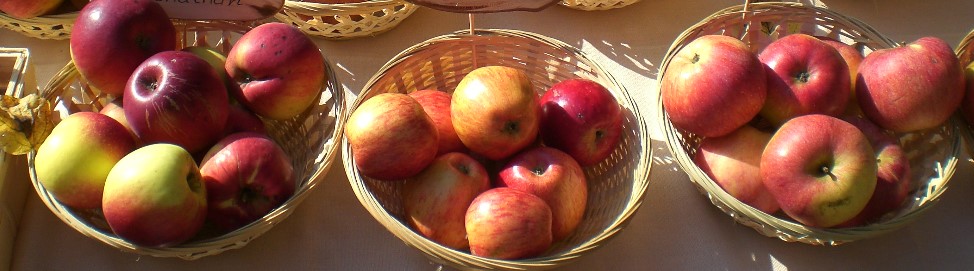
x=933, y=154
x=616, y=186
x=54, y=27
x=345, y=21
x=591, y=5
x=310, y=140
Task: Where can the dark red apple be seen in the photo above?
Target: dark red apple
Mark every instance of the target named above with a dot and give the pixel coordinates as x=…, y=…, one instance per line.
x=892, y=176
x=809, y=77
x=555, y=177
x=176, y=97
x=239, y=119
x=581, y=118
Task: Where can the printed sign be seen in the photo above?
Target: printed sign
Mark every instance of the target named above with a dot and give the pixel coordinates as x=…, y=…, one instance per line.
x=233, y=10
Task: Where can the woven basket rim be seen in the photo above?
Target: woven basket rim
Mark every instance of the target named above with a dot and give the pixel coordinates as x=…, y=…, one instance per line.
x=441, y=253
x=785, y=229
x=966, y=47
x=305, y=16
x=346, y=8
x=579, y=5
x=66, y=20
x=195, y=249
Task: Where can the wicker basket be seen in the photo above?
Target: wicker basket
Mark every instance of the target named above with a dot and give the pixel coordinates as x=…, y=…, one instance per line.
x=591, y=5
x=616, y=186
x=965, y=52
x=54, y=27
x=345, y=21
x=310, y=140
x=933, y=154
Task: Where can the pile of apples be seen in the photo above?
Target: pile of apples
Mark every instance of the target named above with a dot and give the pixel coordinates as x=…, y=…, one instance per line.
x=27, y=9
x=183, y=144
x=493, y=166
x=809, y=125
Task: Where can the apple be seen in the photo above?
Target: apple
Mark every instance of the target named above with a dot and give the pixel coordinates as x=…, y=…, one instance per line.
x=967, y=107
x=437, y=105
x=852, y=58
x=495, y=111
x=246, y=176
x=506, y=223
x=581, y=118
x=216, y=59
x=239, y=119
x=115, y=111
x=279, y=68
x=555, y=177
x=176, y=97
x=391, y=137
x=75, y=159
x=436, y=200
x=912, y=87
x=892, y=175
x=733, y=162
x=809, y=77
x=713, y=86
x=820, y=169
x=110, y=39
x=26, y=9
x=155, y=196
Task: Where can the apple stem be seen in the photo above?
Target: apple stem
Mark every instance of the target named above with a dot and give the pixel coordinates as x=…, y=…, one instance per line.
x=696, y=58
x=510, y=126
x=828, y=171
x=803, y=76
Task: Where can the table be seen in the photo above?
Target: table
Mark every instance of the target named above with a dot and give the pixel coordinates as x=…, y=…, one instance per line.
x=676, y=228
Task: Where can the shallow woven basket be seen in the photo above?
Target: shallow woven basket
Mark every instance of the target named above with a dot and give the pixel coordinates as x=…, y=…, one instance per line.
x=933, y=154
x=591, y=5
x=54, y=27
x=345, y=21
x=965, y=52
x=310, y=140
x=616, y=186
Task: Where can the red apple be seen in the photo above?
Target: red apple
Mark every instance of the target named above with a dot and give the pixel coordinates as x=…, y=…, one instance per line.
x=495, y=111
x=176, y=97
x=809, y=77
x=111, y=38
x=437, y=105
x=391, y=137
x=436, y=200
x=279, y=68
x=852, y=57
x=555, y=177
x=26, y=9
x=912, y=87
x=115, y=111
x=154, y=196
x=893, y=173
x=820, y=169
x=713, y=86
x=239, y=119
x=75, y=159
x=246, y=176
x=733, y=162
x=581, y=118
x=506, y=223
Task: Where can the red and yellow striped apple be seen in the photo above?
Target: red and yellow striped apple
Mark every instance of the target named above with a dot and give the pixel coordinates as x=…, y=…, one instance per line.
x=391, y=137
x=495, y=111
x=436, y=199
x=506, y=223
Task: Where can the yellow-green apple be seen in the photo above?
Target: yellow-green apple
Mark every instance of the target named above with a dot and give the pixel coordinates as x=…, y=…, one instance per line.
x=733, y=162
x=713, y=86
x=75, y=159
x=115, y=111
x=892, y=175
x=967, y=107
x=809, y=77
x=436, y=199
x=506, y=223
x=912, y=87
x=495, y=111
x=217, y=60
x=26, y=9
x=852, y=57
x=279, y=69
x=111, y=38
x=581, y=118
x=820, y=169
x=391, y=137
x=246, y=176
x=437, y=105
x=239, y=119
x=555, y=177
x=155, y=196
x=176, y=97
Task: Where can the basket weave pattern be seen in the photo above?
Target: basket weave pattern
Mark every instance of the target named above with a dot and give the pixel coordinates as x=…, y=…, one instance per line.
x=591, y=5
x=54, y=27
x=616, y=186
x=965, y=53
x=932, y=153
x=345, y=21
x=310, y=140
